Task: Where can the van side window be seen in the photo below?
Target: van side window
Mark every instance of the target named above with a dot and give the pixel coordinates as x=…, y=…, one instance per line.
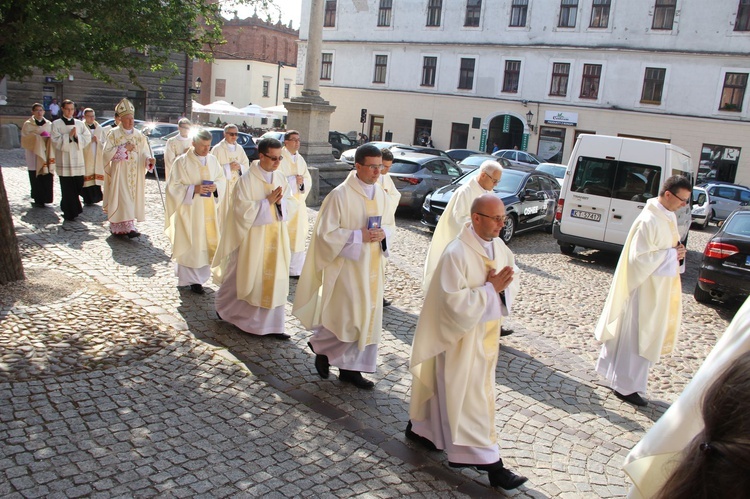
x=745, y=196
x=636, y=182
x=594, y=176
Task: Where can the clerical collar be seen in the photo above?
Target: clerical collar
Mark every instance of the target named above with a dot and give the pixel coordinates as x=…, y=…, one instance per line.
x=487, y=245
x=39, y=123
x=92, y=126
x=184, y=138
x=129, y=132
x=67, y=121
x=202, y=159
x=368, y=188
x=267, y=176
x=231, y=147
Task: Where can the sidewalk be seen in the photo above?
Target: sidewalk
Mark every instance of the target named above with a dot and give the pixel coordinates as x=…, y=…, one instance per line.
x=115, y=383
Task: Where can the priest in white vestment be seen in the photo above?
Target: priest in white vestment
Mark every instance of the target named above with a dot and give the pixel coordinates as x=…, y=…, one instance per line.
x=127, y=158
x=643, y=311
x=652, y=460
x=177, y=145
x=340, y=292
x=457, y=213
x=70, y=137
x=40, y=155
x=252, y=260
x=191, y=223
x=294, y=168
x=456, y=343
x=232, y=158
x=93, y=156
x=386, y=182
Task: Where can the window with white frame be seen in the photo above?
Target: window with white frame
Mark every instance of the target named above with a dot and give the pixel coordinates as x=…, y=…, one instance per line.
x=733, y=92
x=473, y=11
x=590, y=81
x=429, y=71
x=434, y=12
x=560, y=74
x=512, y=76
x=266, y=84
x=600, y=13
x=286, y=90
x=568, y=12
x=466, y=74
x=653, y=85
x=518, y=11
x=384, y=12
x=326, y=65
x=664, y=11
x=381, y=68
x=742, y=22
x=329, y=16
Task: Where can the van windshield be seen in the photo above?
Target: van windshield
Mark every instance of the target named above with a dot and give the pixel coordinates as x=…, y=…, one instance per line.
x=616, y=179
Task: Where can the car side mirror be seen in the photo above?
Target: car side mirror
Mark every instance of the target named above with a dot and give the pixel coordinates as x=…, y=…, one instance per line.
x=530, y=194
x=713, y=201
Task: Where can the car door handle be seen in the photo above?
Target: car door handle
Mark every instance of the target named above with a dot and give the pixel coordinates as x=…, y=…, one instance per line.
x=618, y=217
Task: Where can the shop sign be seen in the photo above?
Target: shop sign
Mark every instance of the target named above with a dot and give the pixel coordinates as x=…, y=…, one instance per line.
x=560, y=118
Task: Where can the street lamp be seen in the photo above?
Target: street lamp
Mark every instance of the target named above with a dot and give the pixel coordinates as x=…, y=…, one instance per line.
x=529, y=117
x=197, y=89
x=278, y=78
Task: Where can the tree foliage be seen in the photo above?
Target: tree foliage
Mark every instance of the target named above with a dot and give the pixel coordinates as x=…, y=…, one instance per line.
x=105, y=37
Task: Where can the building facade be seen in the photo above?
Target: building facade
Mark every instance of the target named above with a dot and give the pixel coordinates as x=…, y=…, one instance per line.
x=534, y=74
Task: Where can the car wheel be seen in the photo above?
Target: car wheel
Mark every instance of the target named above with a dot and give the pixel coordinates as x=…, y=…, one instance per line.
x=509, y=230
x=567, y=249
x=700, y=295
x=336, y=154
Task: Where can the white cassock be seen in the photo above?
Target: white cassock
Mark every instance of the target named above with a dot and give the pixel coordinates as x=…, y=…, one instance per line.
x=340, y=292
x=69, y=153
x=226, y=154
x=93, y=156
x=652, y=460
x=291, y=166
x=453, y=219
x=455, y=350
x=252, y=260
x=125, y=179
x=642, y=314
x=174, y=148
x=191, y=221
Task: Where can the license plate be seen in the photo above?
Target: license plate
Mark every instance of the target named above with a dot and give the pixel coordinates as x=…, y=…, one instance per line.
x=586, y=215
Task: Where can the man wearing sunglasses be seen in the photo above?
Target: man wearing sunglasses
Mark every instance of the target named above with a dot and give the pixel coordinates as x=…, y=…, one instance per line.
x=642, y=314
x=340, y=292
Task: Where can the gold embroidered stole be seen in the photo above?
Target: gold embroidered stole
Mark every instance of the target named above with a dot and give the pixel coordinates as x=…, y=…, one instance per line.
x=371, y=207
x=674, y=302
x=270, y=252
x=491, y=344
x=209, y=215
x=292, y=225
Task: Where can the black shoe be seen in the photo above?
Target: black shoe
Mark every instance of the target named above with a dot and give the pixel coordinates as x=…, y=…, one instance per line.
x=217, y=315
x=386, y=303
x=356, y=379
x=197, y=289
x=633, y=398
x=505, y=332
x=499, y=475
x=279, y=336
x=293, y=277
x=133, y=234
x=424, y=442
x=321, y=363
x=38, y=205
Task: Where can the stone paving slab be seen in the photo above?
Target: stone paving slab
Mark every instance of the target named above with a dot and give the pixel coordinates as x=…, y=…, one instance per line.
x=216, y=412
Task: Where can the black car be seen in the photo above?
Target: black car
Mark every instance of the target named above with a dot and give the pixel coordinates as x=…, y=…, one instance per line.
x=217, y=135
x=530, y=199
x=725, y=270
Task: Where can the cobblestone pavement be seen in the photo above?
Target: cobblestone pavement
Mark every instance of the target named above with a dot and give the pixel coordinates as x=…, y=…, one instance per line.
x=115, y=383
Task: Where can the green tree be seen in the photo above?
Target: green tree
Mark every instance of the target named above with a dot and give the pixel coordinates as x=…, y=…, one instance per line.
x=102, y=38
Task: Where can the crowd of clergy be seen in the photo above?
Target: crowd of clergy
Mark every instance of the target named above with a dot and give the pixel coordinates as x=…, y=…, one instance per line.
x=245, y=225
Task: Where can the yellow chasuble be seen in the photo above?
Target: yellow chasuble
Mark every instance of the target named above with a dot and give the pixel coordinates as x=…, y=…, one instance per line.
x=225, y=157
x=125, y=176
x=262, y=250
x=291, y=166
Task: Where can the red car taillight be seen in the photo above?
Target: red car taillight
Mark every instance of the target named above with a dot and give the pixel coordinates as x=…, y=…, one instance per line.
x=411, y=180
x=559, y=210
x=720, y=250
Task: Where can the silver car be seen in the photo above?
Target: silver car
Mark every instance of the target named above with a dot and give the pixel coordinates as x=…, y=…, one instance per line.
x=725, y=198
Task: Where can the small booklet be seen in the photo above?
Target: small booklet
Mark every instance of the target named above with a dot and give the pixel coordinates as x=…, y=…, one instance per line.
x=374, y=222
x=207, y=194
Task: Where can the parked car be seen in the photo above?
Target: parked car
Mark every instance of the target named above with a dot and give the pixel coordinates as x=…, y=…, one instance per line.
x=420, y=149
x=217, y=134
x=459, y=155
x=111, y=122
x=348, y=156
x=473, y=162
x=340, y=142
x=724, y=273
x=700, y=207
x=555, y=169
x=154, y=130
x=725, y=198
x=519, y=158
x=274, y=135
x=530, y=198
x=416, y=175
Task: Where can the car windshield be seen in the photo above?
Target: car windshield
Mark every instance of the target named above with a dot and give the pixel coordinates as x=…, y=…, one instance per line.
x=509, y=182
x=404, y=167
x=555, y=171
x=738, y=225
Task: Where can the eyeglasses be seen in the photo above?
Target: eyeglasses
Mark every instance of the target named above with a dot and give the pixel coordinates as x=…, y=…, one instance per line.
x=678, y=197
x=493, y=180
x=232, y=134
x=292, y=140
x=185, y=127
x=498, y=219
x=272, y=158
x=375, y=167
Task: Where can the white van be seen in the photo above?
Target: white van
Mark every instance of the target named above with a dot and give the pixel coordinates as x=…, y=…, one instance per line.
x=607, y=184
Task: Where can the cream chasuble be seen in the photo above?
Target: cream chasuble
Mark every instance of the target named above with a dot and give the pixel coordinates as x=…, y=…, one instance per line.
x=453, y=219
x=652, y=460
x=451, y=324
x=340, y=294
x=69, y=154
x=292, y=165
x=175, y=147
x=40, y=155
x=125, y=175
x=257, y=232
x=225, y=155
x=386, y=182
x=651, y=237
x=93, y=156
x=190, y=223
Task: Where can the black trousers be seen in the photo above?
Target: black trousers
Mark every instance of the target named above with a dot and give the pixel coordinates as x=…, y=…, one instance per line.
x=41, y=187
x=70, y=204
x=92, y=194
